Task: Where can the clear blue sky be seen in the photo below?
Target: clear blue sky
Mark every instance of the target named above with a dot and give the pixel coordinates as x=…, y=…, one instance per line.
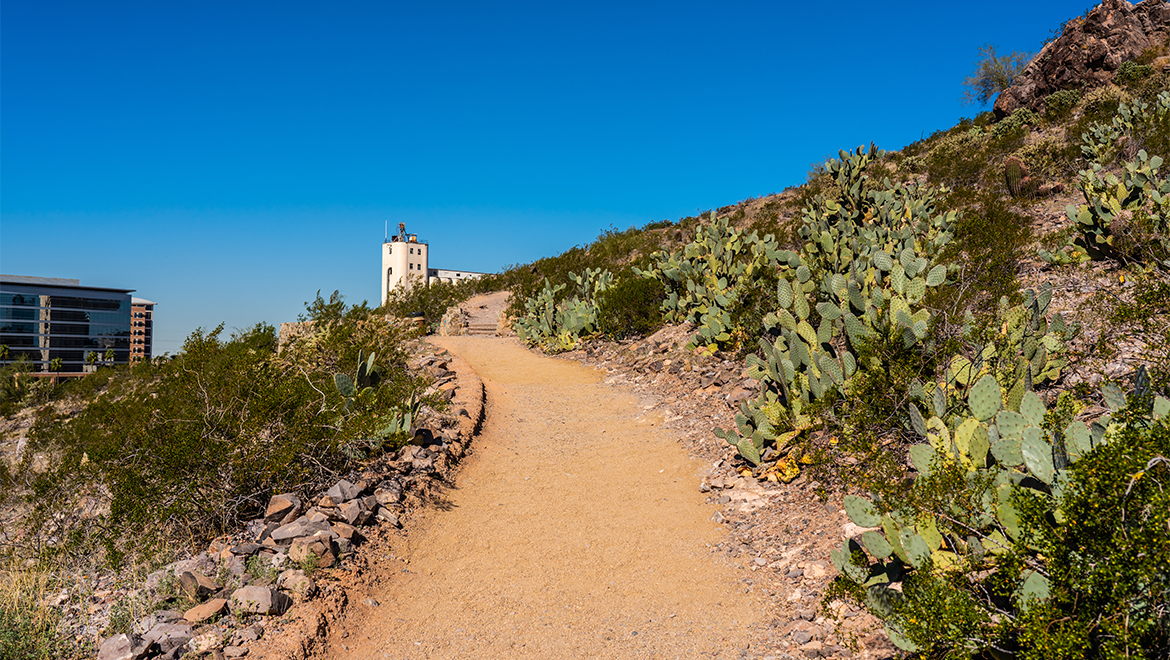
x=229, y=159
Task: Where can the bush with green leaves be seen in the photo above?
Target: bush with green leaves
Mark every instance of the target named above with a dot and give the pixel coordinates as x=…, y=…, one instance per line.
x=431, y=300
x=186, y=447
x=1059, y=105
x=1026, y=532
x=632, y=307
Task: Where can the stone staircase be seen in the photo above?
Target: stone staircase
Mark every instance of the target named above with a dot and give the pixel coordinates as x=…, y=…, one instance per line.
x=480, y=329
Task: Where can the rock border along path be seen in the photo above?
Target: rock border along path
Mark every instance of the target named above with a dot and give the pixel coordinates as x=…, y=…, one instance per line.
x=576, y=530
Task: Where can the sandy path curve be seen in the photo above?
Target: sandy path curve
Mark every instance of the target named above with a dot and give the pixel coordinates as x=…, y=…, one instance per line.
x=576, y=531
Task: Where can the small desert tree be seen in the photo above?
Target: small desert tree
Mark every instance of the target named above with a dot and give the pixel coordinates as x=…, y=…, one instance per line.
x=993, y=74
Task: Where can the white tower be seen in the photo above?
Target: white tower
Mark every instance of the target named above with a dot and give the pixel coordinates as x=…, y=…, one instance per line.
x=404, y=261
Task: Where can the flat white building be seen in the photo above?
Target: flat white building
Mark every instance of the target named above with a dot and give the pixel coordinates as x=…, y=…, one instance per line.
x=405, y=263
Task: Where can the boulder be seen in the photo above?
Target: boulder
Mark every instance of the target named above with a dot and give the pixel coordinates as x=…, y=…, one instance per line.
x=283, y=508
x=295, y=582
x=389, y=493
x=387, y=516
x=208, y=641
x=354, y=512
x=259, y=600
x=169, y=636
x=343, y=491
x=1088, y=53
x=348, y=532
x=124, y=647
x=299, y=528
x=320, y=545
x=211, y=608
x=197, y=585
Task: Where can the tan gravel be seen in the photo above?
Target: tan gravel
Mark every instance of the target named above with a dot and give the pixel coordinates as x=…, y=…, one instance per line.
x=575, y=530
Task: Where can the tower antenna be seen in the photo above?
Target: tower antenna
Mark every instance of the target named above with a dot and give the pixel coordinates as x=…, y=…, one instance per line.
x=387, y=230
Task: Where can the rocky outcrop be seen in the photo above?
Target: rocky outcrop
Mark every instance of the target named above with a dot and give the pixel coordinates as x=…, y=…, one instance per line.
x=453, y=323
x=1088, y=53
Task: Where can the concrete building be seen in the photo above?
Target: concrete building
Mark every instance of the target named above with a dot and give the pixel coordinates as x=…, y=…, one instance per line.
x=141, y=329
x=57, y=324
x=405, y=262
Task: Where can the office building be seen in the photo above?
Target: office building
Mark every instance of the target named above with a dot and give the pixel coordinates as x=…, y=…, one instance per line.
x=61, y=326
x=141, y=328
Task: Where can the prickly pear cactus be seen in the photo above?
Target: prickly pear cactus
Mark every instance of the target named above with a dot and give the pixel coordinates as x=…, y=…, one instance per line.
x=870, y=256
x=1007, y=457
x=710, y=275
x=1026, y=349
x=557, y=326
x=1139, y=197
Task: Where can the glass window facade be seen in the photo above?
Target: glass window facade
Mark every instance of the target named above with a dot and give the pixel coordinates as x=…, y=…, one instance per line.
x=46, y=322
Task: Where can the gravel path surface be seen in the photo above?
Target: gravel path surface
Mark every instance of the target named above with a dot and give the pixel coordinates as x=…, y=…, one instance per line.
x=576, y=530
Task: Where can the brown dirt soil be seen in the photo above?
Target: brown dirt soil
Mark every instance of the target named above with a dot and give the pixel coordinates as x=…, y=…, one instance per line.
x=576, y=530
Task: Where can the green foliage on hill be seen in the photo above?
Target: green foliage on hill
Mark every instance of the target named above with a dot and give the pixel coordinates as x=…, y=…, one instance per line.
x=185, y=447
x=1025, y=532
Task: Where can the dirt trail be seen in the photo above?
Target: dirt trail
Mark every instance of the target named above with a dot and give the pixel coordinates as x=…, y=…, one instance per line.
x=575, y=531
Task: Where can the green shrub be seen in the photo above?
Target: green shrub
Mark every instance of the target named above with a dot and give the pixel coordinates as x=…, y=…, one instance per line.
x=959, y=159
x=187, y=447
x=990, y=240
x=1059, y=105
x=630, y=308
x=1053, y=544
x=431, y=300
x=1132, y=72
x=1142, y=318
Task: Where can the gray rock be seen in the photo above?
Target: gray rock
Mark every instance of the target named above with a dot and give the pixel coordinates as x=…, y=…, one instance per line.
x=249, y=634
x=355, y=512
x=246, y=549
x=235, y=651
x=388, y=492
x=343, y=491
x=169, y=636
x=296, y=582
x=801, y=637
x=259, y=600
x=300, y=527
x=124, y=647
x=387, y=516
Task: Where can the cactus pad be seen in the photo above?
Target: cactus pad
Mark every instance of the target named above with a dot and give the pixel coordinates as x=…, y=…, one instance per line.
x=876, y=544
x=1007, y=451
x=861, y=511
x=1010, y=424
x=1032, y=408
x=1077, y=440
x=985, y=398
x=1037, y=455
